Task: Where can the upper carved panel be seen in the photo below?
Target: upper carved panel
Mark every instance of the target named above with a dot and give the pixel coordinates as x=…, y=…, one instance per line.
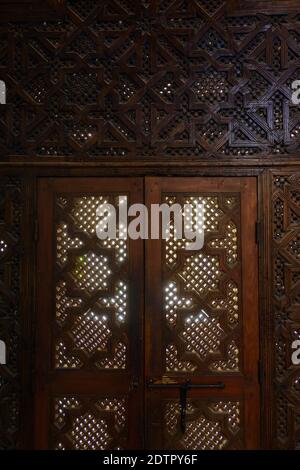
x=30, y=10
x=151, y=79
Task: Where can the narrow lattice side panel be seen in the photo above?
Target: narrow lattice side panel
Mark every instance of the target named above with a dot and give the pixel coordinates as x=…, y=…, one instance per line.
x=286, y=307
x=10, y=321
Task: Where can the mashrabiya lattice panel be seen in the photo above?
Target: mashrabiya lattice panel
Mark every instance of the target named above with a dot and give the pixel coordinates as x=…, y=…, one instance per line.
x=89, y=423
x=201, y=297
x=91, y=288
x=286, y=305
x=10, y=321
x=128, y=80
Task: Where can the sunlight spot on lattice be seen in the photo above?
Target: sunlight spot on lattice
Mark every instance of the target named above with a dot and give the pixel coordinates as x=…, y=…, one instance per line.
x=173, y=364
x=91, y=332
x=3, y=246
x=118, y=301
x=228, y=243
x=229, y=304
x=202, y=334
x=118, y=361
x=232, y=412
x=208, y=222
x=91, y=272
x=60, y=408
x=118, y=407
x=228, y=365
x=201, y=273
x=65, y=360
x=63, y=302
x=64, y=243
x=90, y=433
x=87, y=220
x=173, y=301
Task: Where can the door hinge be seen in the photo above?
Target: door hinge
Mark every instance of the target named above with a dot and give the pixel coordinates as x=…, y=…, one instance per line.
x=257, y=232
x=36, y=230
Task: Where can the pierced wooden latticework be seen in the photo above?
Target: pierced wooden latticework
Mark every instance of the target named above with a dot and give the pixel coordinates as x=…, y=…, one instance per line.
x=166, y=81
x=10, y=309
x=202, y=289
x=211, y=425
x=285, y=306
x=89, y=424
x=203, y=317
x=89, y=317
x=147, y=80
x=91, y=288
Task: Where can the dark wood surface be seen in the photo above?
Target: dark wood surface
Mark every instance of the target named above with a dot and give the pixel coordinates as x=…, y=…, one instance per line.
x=26, y=11
x=244, y=385
x=260, y=60
x=51, y=382
x=151, y=81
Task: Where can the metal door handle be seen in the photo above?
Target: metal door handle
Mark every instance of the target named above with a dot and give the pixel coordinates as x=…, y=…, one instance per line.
x=187, y=384
x=183, y=388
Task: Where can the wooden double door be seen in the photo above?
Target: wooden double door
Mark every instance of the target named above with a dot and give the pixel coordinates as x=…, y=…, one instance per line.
x=144, y=343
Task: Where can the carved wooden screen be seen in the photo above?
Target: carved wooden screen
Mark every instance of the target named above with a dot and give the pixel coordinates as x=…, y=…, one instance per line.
x=200, y=305
x=152, y=81
x=89, y=320
x=10, y=308
x=202, y=318
x=285, y=306
x=158, y=79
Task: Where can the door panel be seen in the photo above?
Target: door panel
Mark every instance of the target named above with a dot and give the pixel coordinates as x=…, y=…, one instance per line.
x=185, y=377
x=89, y=327
x=202, y=320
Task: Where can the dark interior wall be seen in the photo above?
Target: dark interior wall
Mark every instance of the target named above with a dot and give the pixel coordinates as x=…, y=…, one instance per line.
x=205, y=83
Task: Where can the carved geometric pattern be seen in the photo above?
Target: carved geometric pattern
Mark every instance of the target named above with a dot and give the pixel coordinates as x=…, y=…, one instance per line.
x=210, y=425
x=211, y=211
x=231, y=364
x=86, y=219
x=157, y=79
x=201, y=293
x=229, y=243
x=285, y=305
x=201, y=273
x=11, y=205
x=172, y=362
x=88, y=424
x=91, y=288
x=202, y=334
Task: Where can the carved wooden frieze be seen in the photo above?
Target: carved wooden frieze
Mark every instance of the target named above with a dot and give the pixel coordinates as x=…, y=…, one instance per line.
x=151, y=80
